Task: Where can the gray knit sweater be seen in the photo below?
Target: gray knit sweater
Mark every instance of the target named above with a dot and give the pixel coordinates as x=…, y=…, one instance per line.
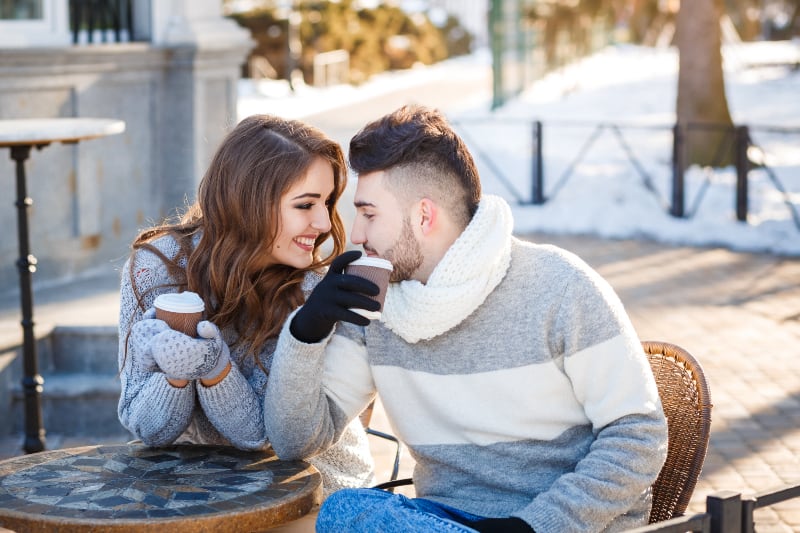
x=228, y=413
x=538, y=404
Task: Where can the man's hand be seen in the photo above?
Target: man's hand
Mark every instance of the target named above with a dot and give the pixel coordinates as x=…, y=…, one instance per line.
x=331, y=300
x=501, y=525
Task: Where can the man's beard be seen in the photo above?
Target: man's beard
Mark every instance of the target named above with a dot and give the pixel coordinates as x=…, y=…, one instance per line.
x=405, y=254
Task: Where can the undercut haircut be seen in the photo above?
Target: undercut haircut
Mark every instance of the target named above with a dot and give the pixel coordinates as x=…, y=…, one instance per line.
x=422, y=156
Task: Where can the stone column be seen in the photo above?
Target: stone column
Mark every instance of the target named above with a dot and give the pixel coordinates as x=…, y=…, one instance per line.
x=201, y=89
x=195, y=22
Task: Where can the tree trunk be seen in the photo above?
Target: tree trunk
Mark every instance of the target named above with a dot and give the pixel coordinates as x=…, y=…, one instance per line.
x=702, y=107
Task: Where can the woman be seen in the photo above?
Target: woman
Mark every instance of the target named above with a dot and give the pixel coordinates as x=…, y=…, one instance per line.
x=250, y=247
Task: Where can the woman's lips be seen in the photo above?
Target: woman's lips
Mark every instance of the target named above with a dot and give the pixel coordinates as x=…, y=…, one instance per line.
x=305, y=243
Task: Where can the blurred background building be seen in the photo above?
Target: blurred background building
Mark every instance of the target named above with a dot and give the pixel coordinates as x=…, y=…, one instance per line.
x=173, y=71
x=170, y=71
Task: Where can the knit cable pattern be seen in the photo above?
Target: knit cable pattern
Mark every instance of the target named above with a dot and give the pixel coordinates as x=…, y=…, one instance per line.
x=470, y=270
x=346, y=464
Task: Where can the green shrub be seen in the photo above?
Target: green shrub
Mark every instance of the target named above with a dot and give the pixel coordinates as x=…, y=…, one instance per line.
x=379, y=39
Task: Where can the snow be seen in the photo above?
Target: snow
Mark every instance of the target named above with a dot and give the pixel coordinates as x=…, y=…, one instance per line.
x=607, y=145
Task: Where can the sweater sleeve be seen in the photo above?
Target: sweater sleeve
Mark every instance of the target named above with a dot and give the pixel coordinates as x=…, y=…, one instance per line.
x=234, y=408
x=149, y=407
x=611, y=378
x=155, y=411
x=314, y=391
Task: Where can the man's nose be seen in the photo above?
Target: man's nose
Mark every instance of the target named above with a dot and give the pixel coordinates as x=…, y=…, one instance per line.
x=356, y=234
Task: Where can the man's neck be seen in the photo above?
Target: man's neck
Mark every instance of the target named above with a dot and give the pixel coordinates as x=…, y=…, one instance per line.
x=435, y=250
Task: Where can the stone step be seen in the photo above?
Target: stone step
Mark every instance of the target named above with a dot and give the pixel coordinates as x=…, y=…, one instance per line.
x=13, y=445
x=74, y=404
x=81, y=387
x=8, y=376
x=82, y=349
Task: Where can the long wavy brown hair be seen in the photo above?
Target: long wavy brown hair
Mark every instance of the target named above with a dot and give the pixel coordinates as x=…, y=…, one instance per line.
x=236, y=219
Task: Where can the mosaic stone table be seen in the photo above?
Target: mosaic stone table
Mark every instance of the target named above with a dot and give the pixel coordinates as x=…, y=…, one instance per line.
x=136, y=488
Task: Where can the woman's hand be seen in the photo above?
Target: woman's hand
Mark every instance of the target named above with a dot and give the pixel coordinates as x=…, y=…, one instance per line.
x=181, y=357
x=142, y=333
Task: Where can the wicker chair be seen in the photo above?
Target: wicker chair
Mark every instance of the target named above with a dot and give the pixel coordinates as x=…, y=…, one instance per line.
x=687, y=405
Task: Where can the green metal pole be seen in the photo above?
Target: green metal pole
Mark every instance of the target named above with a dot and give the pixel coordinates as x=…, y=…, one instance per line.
x=496, y=40
x=519, y=30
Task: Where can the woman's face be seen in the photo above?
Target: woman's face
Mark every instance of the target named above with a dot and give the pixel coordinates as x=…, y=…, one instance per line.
x=304, y=216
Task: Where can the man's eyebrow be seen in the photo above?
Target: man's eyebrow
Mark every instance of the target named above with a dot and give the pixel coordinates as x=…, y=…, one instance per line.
x=307, y=195
x=361, y=203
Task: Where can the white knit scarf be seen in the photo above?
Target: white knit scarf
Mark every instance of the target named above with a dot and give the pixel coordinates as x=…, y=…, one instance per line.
x=470, y=270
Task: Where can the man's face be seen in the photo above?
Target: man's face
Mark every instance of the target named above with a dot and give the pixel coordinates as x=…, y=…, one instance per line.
x=383, y=228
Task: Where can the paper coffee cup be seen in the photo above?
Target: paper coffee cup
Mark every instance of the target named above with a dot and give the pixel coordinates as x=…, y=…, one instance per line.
x=376, y=270
x=180, y=310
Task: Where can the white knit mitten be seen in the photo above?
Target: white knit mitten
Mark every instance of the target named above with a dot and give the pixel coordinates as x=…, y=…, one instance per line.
x=182, y=357
x=142, y=333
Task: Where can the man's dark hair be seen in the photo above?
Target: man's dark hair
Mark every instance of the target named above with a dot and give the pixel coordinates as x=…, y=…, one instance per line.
x=422, y=154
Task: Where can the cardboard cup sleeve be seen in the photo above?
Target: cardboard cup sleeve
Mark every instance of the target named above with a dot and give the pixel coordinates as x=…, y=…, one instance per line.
x=377, y=271
x=181, y=311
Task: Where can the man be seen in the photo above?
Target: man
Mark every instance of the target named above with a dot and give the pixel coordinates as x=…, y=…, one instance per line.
x=509, y=369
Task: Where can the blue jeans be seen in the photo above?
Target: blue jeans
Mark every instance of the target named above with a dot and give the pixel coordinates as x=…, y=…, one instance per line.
x=376, y=510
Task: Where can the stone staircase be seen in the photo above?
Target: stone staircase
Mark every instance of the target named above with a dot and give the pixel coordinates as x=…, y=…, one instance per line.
x=81, y=387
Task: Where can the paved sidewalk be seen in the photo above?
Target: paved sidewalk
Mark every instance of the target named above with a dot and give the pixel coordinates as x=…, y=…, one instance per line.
x=738, y=314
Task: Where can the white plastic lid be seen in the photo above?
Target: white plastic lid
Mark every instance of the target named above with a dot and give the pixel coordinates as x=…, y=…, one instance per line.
x=373, y=262
x=180, y=302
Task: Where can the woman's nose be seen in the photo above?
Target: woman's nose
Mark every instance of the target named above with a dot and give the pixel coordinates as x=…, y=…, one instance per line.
x=322, y=221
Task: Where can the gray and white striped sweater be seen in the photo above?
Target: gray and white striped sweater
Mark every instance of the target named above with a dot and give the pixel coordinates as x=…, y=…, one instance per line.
x=539, y=404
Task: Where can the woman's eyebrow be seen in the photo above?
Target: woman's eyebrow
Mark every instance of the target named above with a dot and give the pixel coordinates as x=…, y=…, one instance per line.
x=307, y=195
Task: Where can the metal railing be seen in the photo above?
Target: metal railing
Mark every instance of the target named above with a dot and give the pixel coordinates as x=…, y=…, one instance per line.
x=726, y=512
x=736, y=144
x=697, y=523
x=96, y=21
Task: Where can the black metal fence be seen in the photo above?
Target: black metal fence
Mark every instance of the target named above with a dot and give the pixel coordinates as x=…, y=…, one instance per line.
x=726, y=512
x=101, y=21
x=737, y=144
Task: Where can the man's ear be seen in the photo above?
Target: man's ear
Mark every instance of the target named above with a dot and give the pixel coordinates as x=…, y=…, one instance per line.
x=428, y=215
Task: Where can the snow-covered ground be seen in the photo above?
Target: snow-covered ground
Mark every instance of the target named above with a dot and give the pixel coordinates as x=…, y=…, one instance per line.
x=617, y=182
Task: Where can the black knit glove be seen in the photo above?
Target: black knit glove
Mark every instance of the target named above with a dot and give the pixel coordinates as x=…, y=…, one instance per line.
x=331, y=299
x=501, y=525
